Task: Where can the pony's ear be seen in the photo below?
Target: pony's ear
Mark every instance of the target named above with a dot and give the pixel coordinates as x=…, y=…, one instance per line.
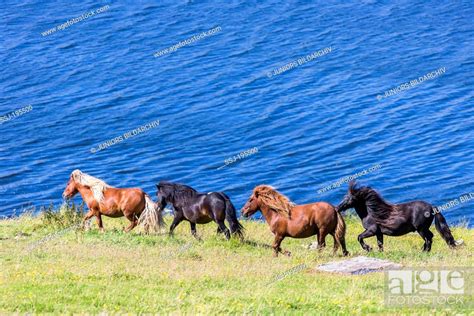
x=352, y=186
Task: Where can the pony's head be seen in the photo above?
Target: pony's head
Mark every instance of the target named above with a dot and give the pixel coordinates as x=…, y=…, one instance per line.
x=265, y=195
x=350, y=199
x=359, y=198
x=71, y=187
x=251, y=206
x=168, y=192
x=78, y=178
x=366, y=200
x=163, y=194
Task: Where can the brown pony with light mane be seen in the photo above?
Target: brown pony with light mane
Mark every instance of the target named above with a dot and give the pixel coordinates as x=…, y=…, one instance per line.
x=297, y=221
x=102, y=199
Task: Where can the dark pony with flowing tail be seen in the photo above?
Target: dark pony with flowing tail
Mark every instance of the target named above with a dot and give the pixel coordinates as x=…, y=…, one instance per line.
x=380, y=217
x=199, y=208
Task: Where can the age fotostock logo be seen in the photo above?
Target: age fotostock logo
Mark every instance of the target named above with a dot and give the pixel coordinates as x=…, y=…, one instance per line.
x=434, y=286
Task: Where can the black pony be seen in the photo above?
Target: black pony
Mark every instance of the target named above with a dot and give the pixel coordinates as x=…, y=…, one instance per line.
x=198, y=208
x=382, y=218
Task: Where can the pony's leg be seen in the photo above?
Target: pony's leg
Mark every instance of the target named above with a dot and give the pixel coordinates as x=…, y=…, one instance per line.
x=133, y=222
x=421, y=233
x=87, y=217
x=427, y=236
x=380, y=241
x=224, y=229
x=99, y=222
x=322, y=239
x=342, y=242
x=336, y=245
x=276, y=246
x=178, y=218
x=193, y=231
x=429, y=240
x=366, y=234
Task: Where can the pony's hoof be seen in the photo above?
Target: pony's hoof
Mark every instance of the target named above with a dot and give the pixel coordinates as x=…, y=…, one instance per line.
x=368, y=248
x=287, y=253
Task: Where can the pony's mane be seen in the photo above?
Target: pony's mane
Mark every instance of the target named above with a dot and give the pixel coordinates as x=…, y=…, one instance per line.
x=97, y=186
x=379, y=208
x=177, y=190
x=274, y=199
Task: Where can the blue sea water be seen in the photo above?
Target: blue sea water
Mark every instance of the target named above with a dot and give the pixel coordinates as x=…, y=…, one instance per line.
x=216, y=97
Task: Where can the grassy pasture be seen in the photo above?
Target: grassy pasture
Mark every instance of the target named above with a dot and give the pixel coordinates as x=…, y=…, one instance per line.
x=51, y=265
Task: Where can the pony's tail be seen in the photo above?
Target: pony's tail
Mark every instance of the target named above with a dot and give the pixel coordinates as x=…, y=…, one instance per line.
x=231, y=216
x=152, y=216
x=340, y=234
x=443, y=229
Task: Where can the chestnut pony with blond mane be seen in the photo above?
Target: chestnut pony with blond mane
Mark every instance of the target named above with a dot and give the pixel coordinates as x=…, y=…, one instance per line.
x=103, y=199
x=297, y=221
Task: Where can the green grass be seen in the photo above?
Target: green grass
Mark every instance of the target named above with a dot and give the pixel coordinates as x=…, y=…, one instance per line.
x=48, y=268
